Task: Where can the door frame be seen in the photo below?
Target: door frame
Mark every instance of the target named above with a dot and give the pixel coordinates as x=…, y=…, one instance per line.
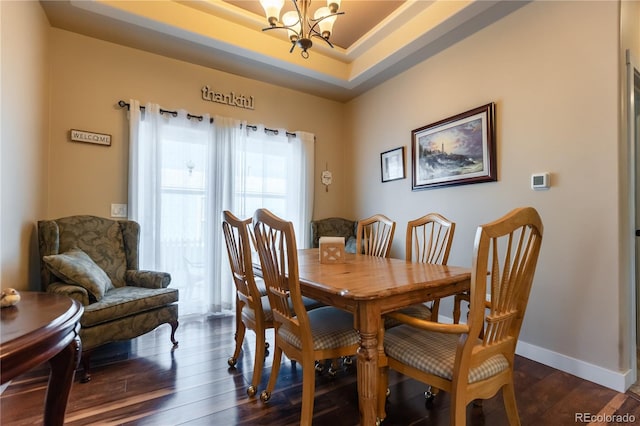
x=632, y=70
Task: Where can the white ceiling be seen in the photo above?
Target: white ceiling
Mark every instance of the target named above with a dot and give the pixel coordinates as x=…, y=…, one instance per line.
x=374, y=40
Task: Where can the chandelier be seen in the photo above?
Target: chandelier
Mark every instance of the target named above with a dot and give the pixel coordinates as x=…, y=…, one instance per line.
x=299, y=24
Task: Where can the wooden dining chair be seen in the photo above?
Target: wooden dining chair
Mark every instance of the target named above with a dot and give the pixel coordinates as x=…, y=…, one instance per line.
x=374, y=235
x=303, y=336
x=252, y=303
x=428, y=240
x=474, y=360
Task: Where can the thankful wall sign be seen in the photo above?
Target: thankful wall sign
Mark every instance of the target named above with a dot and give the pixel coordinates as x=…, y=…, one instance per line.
x=229, y=98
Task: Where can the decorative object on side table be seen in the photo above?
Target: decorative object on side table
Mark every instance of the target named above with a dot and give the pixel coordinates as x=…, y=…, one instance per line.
x=10, y=297
x=455, y=151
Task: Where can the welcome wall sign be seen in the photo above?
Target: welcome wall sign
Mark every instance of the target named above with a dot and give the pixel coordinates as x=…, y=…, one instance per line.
x=89, y=137
x=239, y=101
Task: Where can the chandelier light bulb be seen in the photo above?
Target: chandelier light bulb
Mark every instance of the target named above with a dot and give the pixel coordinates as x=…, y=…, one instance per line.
x=292, y=19
x=323, y=14
x=272, y=10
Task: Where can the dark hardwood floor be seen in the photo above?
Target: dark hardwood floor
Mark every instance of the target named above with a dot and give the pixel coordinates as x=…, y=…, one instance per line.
x=143, y=382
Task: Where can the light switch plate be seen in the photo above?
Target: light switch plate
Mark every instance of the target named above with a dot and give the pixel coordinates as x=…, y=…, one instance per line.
x=118, y=210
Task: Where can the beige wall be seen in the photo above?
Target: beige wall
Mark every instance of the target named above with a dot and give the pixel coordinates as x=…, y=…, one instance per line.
x=552, y=70
x=23, y=143
x=89, y=77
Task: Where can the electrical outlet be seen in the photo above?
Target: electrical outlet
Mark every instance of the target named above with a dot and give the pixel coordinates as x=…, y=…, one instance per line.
x=118, y=210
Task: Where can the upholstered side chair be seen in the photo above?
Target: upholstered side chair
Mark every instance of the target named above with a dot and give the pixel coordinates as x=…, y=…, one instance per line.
x=94, y=260
x=335, y=227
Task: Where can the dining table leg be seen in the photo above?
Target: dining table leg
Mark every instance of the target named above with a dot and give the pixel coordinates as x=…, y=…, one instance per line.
x=367, y=323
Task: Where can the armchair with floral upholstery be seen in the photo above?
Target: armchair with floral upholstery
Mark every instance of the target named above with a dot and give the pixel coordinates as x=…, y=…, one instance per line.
x=95, y=261
x=335, y=227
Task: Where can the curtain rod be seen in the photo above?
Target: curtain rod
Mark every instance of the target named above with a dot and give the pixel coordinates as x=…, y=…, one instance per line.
x=123, y=104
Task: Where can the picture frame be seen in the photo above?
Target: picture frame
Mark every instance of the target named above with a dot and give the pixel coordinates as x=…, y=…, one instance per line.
x=458, y=150
x=392, y=165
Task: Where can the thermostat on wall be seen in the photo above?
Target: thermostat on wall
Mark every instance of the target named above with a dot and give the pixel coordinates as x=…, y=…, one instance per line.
x=540, y=181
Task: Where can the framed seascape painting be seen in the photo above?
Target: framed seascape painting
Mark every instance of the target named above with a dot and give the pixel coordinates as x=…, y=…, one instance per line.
x=455, y=151
x=392, y=164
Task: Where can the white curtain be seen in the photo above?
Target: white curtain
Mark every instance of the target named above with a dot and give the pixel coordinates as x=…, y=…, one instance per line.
x=227, y=137
x=303, y=155
x=183, y=172
x=274, y=170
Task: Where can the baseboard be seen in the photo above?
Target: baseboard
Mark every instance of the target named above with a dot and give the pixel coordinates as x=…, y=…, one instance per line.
x=619, y=381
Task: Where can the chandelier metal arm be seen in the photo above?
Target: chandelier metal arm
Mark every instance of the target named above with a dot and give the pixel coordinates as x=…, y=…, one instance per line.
x=316, y=22
x=312, y=28
x=325, y=40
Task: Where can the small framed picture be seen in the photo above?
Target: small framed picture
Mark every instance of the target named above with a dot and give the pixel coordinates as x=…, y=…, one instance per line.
x=455, y=151
x=392, y=164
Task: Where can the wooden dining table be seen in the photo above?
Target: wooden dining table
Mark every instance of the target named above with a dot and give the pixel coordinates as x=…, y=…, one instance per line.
x=369, y=287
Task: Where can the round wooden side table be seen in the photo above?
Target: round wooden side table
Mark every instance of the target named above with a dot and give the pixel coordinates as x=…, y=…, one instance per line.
x=42, y=327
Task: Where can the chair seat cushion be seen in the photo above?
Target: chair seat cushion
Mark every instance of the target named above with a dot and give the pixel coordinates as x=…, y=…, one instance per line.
x=266, y=309
x=330, y=328
x=419, y=310
x=306, y=301
x=310, y=303
x=262, y=287
x=124, y=301
x=76, y=267
x=435, y=353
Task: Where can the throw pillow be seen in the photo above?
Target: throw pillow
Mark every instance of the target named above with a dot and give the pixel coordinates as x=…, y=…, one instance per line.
x=76, y=267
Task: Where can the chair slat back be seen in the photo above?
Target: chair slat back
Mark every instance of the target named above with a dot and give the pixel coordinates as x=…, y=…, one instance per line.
x=375, y=235
x=276, y=245
x=429, y=239
x=506, y=254
x=238, y=239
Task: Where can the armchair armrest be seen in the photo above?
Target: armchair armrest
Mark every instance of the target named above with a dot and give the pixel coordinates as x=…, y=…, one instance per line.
x=147, y=279
x=429, y=325
x=73, y=291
